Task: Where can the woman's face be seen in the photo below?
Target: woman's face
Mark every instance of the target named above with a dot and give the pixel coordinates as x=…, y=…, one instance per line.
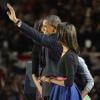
x=47, y=28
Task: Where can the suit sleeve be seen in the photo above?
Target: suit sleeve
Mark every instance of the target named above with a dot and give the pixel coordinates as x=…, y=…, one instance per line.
x=37, y=36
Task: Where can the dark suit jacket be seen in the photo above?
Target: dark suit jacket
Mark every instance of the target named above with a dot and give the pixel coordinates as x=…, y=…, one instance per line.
x=53, y=50
x=36, y=52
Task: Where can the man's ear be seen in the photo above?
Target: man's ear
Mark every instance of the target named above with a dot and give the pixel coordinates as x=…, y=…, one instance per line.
x=54, y=31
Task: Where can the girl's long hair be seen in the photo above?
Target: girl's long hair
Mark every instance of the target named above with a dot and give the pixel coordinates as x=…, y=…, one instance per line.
x=68, y=36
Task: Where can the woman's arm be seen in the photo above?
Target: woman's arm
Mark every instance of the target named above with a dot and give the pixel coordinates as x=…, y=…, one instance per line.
x=39, y=87
x=53, y=80
x=87, y=75
x=30, y=31
x=70, y=66
x=68, y=63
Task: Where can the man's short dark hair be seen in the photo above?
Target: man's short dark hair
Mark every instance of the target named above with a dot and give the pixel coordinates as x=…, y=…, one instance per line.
x=53, y=20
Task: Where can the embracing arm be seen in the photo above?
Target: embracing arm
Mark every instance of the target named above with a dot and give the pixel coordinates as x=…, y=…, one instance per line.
x=39, y=87
x=53, y=80
x=68, y=64
x=63, y=81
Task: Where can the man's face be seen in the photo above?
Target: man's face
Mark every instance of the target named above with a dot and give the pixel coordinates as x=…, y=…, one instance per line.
x=47, y=28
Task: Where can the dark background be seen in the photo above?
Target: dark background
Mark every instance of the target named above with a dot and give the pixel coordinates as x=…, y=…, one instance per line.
x=15, y=48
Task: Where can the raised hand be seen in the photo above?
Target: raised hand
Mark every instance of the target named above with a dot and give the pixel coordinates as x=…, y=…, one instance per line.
x=11, y=13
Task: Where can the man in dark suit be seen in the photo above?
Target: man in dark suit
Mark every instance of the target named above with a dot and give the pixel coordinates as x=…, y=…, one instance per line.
x=51, y=48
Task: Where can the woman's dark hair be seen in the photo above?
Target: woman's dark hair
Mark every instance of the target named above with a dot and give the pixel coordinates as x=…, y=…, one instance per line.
x=67, y=35
x=38, y=25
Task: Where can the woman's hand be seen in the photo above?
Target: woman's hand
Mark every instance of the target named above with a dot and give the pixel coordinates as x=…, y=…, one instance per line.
x=46, y=79
x=11, y=13
x=84, y=93
x=39, y=87
x=43, y=78
x=39, y=79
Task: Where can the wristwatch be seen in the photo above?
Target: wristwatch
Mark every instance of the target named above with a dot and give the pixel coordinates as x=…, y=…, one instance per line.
x=19, y=23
